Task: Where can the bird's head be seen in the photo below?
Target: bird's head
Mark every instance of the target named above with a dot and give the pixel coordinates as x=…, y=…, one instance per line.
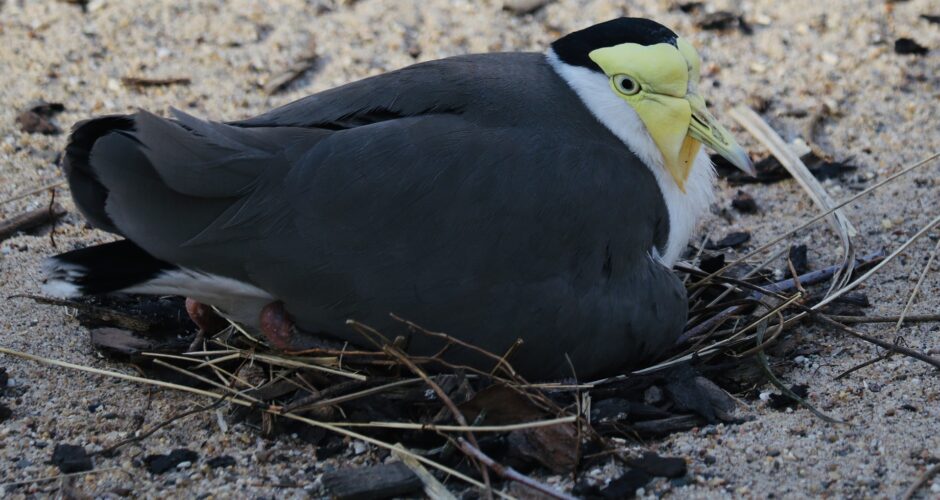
x=656, y=73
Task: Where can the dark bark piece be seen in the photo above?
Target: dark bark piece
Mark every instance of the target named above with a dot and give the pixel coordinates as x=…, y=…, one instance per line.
x=221, y=461
x=782, y=401
x=731, y=240
x=71, y=458
x=5, y=412
x=931, y=19
x=665, y=426
x=36, y=118
x=554, y=447
x=712, y=263
x=30, y=220
x=723, y=21
x=655, y=465
x=522, y=7
x=798, y=257
x=501, y=405
x=744, y=203
x=141, y=82
x=626, y=485
x=909, y=46
x=158, y=464
x=770, y=171
x=689, y=7
x=378, y=481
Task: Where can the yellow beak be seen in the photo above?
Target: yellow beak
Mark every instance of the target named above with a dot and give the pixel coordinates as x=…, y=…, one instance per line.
x=679, y=126
x=706, y=129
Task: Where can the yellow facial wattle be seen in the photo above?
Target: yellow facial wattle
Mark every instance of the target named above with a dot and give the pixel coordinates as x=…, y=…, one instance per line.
x=668, y=103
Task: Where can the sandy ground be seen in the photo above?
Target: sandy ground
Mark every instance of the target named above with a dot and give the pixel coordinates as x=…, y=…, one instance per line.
x=803, y=55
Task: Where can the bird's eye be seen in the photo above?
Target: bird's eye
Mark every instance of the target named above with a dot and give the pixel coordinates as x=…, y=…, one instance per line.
x=626, y=85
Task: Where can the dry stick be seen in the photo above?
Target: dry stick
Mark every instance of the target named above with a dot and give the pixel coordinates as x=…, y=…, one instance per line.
x=458, y=415
x=921, y=481
x=461, y=428
x=149, y=432
x=499, y=360
x=510, y=473
x=432, y=487
x=816, y=219
x=851, y=286
x=31, y=192
x=763, y=132
x=897, y=326
x=311, y=402
x=810, y=278
x=29, y=220
x=815, y=314
x=242, y=402
x=140, y=82
x=61, y=476
x=916, y=289
x=914, y=318
x=765, y=365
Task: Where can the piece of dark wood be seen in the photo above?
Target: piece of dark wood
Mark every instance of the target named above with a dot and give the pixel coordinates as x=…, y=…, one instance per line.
x=666, y=425
x=141, y=82
x=378, y=481
x=30, y=220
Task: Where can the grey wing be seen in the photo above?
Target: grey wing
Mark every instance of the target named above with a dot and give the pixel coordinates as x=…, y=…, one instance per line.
x=489, y=234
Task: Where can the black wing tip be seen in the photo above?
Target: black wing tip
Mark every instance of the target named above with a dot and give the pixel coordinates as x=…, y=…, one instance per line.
x=100, y=269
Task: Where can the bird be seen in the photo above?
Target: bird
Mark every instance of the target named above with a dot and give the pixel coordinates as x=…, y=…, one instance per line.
x=540, y=197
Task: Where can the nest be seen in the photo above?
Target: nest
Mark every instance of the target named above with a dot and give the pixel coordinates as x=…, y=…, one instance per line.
x=486, y=426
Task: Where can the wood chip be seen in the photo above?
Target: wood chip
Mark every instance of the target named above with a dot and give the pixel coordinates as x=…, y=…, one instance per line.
x=378, y=481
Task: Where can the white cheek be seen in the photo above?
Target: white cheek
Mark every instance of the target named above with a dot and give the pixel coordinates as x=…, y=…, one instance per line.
x=684, y=208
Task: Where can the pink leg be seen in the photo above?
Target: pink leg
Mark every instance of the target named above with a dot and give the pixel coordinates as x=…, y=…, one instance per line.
x=277, y=326
x=206, y=320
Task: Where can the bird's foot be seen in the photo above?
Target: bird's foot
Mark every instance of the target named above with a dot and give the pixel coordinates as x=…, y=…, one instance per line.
x=282, y=334
x=206, y=320
x=277, y=326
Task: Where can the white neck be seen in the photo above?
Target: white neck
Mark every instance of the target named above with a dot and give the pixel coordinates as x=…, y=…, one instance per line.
x=684, y=208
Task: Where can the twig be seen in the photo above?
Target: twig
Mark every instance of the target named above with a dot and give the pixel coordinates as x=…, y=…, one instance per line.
x=916, y=289
x=509, y=473
x=29, y=220
x=914, y=318
x=816, y=219
x=461, y=428
x=499, y=360
x=33, y=191
x=840, y=222
x=432, y=487
x=765, y=366
x=457, y=414
x=141, y=82
x=149, y=432
x=3, y=486
x=810, y=278
x=922, y=480
x=242, y=402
